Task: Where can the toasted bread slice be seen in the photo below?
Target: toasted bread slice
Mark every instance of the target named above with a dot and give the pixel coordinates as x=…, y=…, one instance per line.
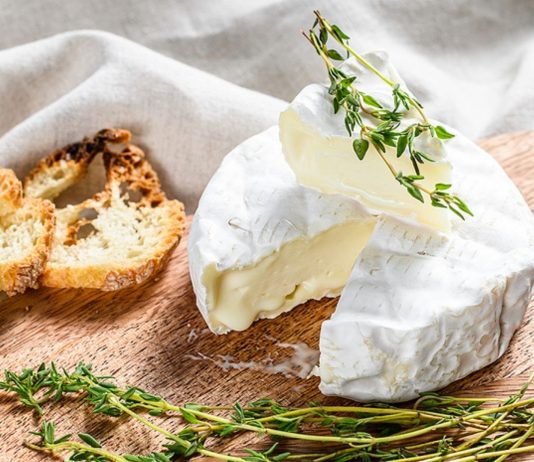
x=68, y=165
x=26, y=233
x=10, y=192
x=122, y=235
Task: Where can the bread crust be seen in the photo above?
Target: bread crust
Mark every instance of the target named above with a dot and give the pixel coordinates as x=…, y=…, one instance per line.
x=127, y=169
x=10, y=192
x=109, y=278
x=17, y=274
x=112, y=277
x=66, y=166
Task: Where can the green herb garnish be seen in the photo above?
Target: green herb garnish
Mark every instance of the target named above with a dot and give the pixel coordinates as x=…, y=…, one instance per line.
x=435, y=429
x=385, y=131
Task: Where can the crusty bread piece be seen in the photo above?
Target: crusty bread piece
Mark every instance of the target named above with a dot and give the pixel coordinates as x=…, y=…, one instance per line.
x=10, y=192
x=66, y=166
x=26, y=233
x=114, y=239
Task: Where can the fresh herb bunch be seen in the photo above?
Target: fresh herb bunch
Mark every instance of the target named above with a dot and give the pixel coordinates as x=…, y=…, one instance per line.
x=436, y=429
x=386, y=129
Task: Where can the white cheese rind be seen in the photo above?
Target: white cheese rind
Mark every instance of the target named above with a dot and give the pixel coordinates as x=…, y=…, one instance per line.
x=318, y=148
x=420, y=309
x=252, y=206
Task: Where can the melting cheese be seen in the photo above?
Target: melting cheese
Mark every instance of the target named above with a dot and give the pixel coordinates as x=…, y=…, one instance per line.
x=300, y=270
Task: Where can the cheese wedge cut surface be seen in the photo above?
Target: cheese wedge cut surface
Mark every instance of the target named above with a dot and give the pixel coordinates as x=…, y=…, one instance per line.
x=301, y=270
x=318, y=148
x=261, y=244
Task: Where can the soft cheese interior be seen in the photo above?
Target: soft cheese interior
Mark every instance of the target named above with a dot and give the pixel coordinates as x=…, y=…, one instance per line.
x=318, y=149
x=262, y=244
x=301, y=270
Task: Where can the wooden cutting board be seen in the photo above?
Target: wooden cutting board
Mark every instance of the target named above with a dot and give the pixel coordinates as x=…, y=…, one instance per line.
x=153, y=336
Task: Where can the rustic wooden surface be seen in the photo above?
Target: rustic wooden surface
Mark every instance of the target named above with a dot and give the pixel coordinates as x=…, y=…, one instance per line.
x=143, y=337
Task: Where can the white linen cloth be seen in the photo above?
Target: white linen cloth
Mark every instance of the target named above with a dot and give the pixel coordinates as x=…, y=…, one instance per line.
x=231, y=64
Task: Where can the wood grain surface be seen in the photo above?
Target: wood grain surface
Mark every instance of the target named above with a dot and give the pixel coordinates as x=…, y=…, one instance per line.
x=143, y=336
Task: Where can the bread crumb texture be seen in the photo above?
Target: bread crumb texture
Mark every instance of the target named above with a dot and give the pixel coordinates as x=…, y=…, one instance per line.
x=122, y=235
x=26, y=234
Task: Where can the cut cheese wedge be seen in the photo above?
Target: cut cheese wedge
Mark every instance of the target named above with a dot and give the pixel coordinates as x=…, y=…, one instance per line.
x=261, y=244
x=316, y=145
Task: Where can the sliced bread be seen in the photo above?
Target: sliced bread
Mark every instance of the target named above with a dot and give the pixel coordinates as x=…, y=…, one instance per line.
x=26, y=233
x=10, y=192
x=68, y=165
x=119, y=237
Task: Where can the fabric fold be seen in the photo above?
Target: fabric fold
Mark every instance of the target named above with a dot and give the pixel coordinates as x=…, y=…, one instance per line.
x=58, y=90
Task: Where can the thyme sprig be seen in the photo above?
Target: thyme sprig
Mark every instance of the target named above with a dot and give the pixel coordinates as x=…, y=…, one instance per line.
x=436, y=429
x=385, y=129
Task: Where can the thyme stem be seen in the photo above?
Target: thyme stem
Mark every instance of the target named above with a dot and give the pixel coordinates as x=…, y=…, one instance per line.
x=75, y=446
x=517, y=444
x=436, y=429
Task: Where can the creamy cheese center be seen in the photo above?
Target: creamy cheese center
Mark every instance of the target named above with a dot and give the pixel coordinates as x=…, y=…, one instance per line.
x=329, y=164
x=300, y=270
